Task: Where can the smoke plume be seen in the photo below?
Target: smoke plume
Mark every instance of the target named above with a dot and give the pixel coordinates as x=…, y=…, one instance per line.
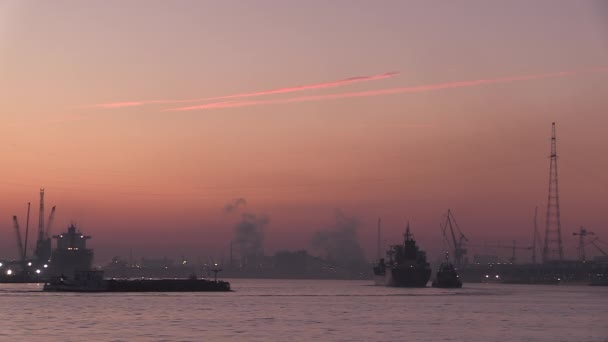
x=339, y=243
x=234, y=205
x=249, y=236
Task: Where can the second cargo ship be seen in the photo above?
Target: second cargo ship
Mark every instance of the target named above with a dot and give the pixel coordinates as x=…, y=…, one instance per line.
x=405, y=266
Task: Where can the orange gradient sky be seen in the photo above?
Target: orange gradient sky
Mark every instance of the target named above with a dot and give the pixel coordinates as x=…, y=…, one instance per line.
x=156, y=180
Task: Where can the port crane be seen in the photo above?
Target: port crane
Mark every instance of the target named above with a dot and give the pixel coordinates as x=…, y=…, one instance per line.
x=593, y=242
x=582, y=232
x=458, y=242
x=20, y=248
x=49, y=223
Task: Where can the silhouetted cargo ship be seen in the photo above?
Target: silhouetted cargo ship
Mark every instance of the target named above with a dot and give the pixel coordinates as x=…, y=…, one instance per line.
x=71, y=254
x=406, y=265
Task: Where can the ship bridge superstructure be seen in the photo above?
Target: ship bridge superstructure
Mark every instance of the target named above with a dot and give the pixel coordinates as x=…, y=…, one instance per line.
x=72, y=240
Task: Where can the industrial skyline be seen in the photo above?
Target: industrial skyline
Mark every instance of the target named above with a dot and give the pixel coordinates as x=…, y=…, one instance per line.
x=385, y=109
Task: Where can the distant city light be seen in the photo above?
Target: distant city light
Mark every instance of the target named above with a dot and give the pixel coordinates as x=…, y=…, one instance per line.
x=497, y=276
x=0, y=264
x=29, y=263
x=45, y=266
x=38, y=271
x=9, y=272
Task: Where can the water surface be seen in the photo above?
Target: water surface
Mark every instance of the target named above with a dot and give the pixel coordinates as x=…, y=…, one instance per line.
x=305, y=310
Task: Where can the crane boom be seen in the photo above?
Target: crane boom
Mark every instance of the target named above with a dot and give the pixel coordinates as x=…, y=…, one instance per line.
x=27, y=230
x=19, y=241
x=459, y=250
x=49, y=223
x=598, y=247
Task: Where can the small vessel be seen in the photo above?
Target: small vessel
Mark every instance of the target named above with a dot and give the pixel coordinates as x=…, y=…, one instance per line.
x=406, y=265
x=93, y=281
x=447, y=277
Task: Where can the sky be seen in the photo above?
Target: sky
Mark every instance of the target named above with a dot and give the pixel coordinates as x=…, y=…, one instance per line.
x=142, y=119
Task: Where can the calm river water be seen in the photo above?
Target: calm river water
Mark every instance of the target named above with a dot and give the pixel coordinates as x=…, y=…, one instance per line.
x=308, y=310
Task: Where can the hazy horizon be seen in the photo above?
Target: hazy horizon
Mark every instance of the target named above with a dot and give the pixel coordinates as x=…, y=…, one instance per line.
x=392, y=109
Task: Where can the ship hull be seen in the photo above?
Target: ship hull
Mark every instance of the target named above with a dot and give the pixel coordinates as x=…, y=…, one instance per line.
x=404, y=277
x=143, y=285
x=447, y=283
x=67, y=262
x=167, y=285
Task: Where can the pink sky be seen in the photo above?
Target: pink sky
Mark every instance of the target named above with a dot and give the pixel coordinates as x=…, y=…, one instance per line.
x=156, y=181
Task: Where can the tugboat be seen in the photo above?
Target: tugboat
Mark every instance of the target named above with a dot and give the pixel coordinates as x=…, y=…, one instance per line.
x=406, y=265
x=447, y=277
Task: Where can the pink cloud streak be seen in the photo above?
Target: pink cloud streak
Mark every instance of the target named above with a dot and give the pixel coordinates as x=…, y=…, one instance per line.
x=413, y=89
x=323, y=85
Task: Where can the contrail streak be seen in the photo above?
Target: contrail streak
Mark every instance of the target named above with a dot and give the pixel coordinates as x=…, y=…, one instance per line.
x=324, y=85
x=414, y=89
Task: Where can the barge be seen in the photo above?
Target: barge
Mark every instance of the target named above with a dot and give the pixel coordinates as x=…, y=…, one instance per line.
x=93, y=281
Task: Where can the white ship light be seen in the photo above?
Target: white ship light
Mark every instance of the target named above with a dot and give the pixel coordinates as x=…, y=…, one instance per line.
x=38, y=271
x=497, y=276
x=45, y=266
x=0, y=264
x=81, y=236
x=487, y=276
x=215, y=264
x=9, y=272
x=29, y=264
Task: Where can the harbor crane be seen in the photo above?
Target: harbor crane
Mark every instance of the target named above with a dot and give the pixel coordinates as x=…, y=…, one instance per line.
x=457, y=242
x=20, y=248
x=593, y=242
x=49, y=223
x=27, y=231
x=582, y=232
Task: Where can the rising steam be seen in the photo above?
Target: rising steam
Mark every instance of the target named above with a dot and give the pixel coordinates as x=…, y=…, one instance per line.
x=339, y=243
x=234, y=205
x=249, y=236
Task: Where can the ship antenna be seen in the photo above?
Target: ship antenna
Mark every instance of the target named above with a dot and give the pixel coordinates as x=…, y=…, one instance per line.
x=408, y=235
